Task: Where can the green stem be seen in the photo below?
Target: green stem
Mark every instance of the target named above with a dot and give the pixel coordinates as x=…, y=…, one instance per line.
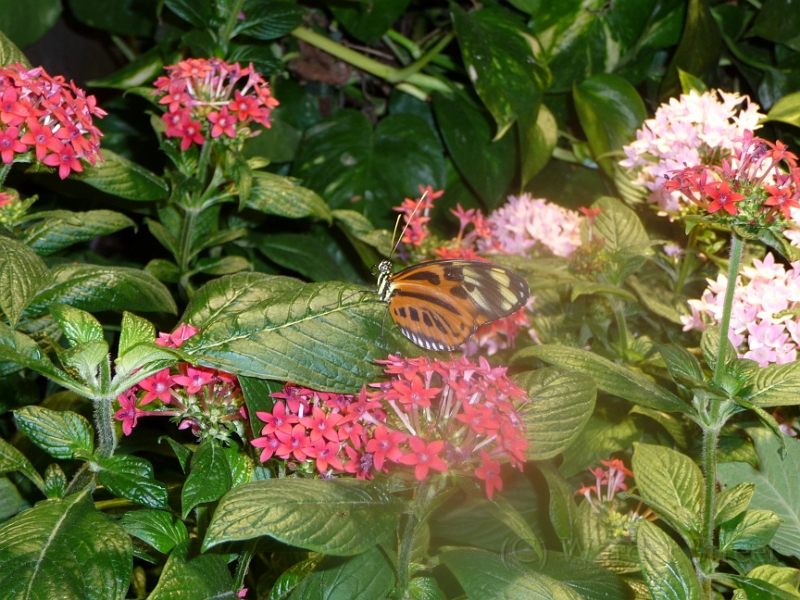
x=733, y=273
x=233, y=16
x=409, y=75
x=408, y=533
x=618, y=307
x=106, y=431
x=186, y=239
x=688, y=260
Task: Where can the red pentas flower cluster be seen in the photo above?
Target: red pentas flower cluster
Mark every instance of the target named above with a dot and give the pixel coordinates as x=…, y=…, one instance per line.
x=204, y=98
x=758, y=187
x=48, y=115
x=433, y=415
x=207, y=401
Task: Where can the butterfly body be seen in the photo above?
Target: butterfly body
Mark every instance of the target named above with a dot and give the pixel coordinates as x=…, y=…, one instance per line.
x=439, y=304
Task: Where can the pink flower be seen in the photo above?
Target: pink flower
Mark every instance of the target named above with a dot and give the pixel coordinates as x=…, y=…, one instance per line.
x=276, y=420
x=489, y=472
x=424, y=457
x=223, y=123
x=195, y=379
x=10, y=145
x=384, y=444
x=322, y=425
x=128, y=413
x=157, y=386
x=270, y=445
x=65, y=159
x=325, y=454
x=294, y=444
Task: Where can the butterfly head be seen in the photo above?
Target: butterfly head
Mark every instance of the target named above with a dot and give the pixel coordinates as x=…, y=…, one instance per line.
x=385, y=267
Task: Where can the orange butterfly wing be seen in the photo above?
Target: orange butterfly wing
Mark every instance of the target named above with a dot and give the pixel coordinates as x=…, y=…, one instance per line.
x=439, y=304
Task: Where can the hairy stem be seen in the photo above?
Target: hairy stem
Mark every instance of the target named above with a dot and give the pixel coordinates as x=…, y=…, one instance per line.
x=733, y=273
x=409, y=528
x=106, y=431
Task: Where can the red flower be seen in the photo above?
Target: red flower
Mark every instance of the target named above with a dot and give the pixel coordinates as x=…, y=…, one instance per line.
x=326, y=454
x=424, y=457
x=590, y=213
x=295, y=443
x=64, y=158
x=128, y=413
x=480, y=418
x=782, y=198
x=490, y=473
x=9, y=145
x=270, y=444
x=195, y=379
x=723, y=197
x=192, y=133
x=414, y=392
x=182, y=333
x=360, y=464
x=277, y=419
x=322, y=425
x=176, y=96
x=223, y=123
x=40, y=136
x=383, y=445
x=157, y=386
x=12, y=112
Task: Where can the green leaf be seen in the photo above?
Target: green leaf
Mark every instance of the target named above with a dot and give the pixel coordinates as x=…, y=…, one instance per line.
x=96, y=288
x=671, y=481
x=591, y=581
x=196, y=12
x=124, y=178
x=487, y=166
x=182, y=453
x=257, y=398
x=362, y=577
x=270, y=20
x=361, y=229
x=271, y=339
x=209, y=476
x=79, y=326
x=749, y=530
x=353, y=166
x=709, y=346
x=82, y=361
x=55, y=481
x=674, y=426
x=282, y=196
x=778, y=22
x=12, y=459
x=122, y=17
x=22, y=275
x=691, y=83
x=667, y=570
x=786, y=110
x=610, y=377
x=560, y=405
x=60, y=229
x=369, y=21
x=777, y=482
x=618, y=225
x=162, y=530
x=64, y=549
x=10, y=500
x=135, y=330
x=132, y=478
x=774, y=385
x=223, y=265
x=232, y=294
x=598, y=440
x=733, y=501
x=487, y=575
x=197, y=578
x=784, y=578
x=500, y=62
x=143, y=69
x=610, y=111
x=757, y=589
x=698, y=49
x=584, y=288
x=61, y=434
x=26, y=22
x=340, y=518
x=18, y=351
x=680, y=363
x=10, y=53
x=302, y=253
x=660, y=301
x=538, y=139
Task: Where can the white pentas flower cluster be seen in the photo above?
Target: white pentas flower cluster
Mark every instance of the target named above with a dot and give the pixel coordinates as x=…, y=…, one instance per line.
x=525, y=222
x=763, y=325
x=695, y=129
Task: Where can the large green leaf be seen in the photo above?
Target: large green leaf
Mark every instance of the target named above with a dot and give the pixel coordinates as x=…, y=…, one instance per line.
x=121, y=17
x=561, y=403
x=362, y=577
x=18, y=351
x=778, y=21
x=487, y=166
x=618, y=225
x=610, y=377
x=667, y=570
x=774, y=385
x=26, y=22
x=12, y=459
x=231, y=294
x=369, y=21
x=162, y=530
x=209, y=476
x=121, y=177
x=590, y=580
x=324, y=336
x=64, y=549
x=270, y=20
x=334, y=517
x=59, y=433
x=610, y=111
x=95, y=288
x=303, y=253
x=498, y=54
x=22, y=275
x=786, y=110
x=192, y=577
x=276, y=195
x=598, y=440
x=487, y=575
x=777, y=484
x=353, y=166
x=62, y=228
x=132, y=477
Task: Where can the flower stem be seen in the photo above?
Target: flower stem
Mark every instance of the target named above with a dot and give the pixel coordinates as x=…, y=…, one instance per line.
x=622, y=327
x=733, y=273
x=233, y=16
x=408, y=532
x=104, y=422
x=688, y=260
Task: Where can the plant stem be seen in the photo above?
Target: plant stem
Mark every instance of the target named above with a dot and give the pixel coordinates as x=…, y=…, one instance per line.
x=618, y=307
x=233, y=16
x=733, y=273
x=688, y=259
x=104, y=422
x=408, y=533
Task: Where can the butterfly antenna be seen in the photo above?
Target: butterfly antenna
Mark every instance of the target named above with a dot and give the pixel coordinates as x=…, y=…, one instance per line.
x=408, y=222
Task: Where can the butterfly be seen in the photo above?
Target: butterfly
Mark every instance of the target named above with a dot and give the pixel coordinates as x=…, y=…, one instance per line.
x=439, y=304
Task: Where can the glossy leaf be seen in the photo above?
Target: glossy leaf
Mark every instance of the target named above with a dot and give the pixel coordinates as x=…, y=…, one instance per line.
x=12, y=459
x=778, y=21
x=282, y=196
x=79, y=326
x=193, y=577
x=786, y=110
x=618, y=225
x=270, y=20
x=369, y=21
x=303, y=253
x=353, y=166
x=609, y=376
x=121, y=177
x=22, y=276
x=777, y=486
x=750, y=530
x=26, y=22
x=733, y=501
x=598, y=440
x=121, y=17
x=64, y=548
x=757, y=589
x=560, y=405
x=132, y=477
x=135, y=330
x=667, y=570
x=59, y=433
x=774, y=385
x=158, y=528
x=209, y=476
x=590, y=580
x=335, y=517
x=61, y=229
x=538, y=139
x=362, y=577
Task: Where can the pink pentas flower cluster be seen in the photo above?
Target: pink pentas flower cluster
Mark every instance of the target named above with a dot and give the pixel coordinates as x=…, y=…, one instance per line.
x=416, y=214
x=764, y=325
x=204, y=98
x=690, y=131
x=49, y=116
x=447, y=416
x=206, y=401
